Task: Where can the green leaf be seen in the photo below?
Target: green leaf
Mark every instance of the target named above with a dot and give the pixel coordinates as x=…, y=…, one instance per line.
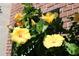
x=72, y=48
x=44, y=27
x=39, y=26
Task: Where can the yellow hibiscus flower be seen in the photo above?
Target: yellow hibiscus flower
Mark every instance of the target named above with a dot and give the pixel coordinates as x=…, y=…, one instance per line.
x=18, y=16
x=55, y=40
x=20, y=35
x=49, y=17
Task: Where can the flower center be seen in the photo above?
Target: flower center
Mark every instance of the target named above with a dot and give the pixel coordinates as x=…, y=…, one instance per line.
x=20, y=35
x=53, y=42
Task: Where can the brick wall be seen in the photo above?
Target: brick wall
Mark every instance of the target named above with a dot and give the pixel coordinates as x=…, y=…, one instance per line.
x=66, y=9
x=15, y=8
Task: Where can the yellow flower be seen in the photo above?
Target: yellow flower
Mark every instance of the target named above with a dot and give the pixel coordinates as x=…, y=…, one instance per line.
x=49, y=17
x=33, y=22
x=20, y=35
x=18, y=16
x=55, y=40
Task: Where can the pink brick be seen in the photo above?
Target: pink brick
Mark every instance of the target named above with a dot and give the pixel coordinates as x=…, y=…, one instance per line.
x=49, y=5
x=75, y=5
x=60, y=5
x=70, y=12
x=65, y=20
x=75, y=10
x=65, y=25
x=64, y=14
x=68, y=7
